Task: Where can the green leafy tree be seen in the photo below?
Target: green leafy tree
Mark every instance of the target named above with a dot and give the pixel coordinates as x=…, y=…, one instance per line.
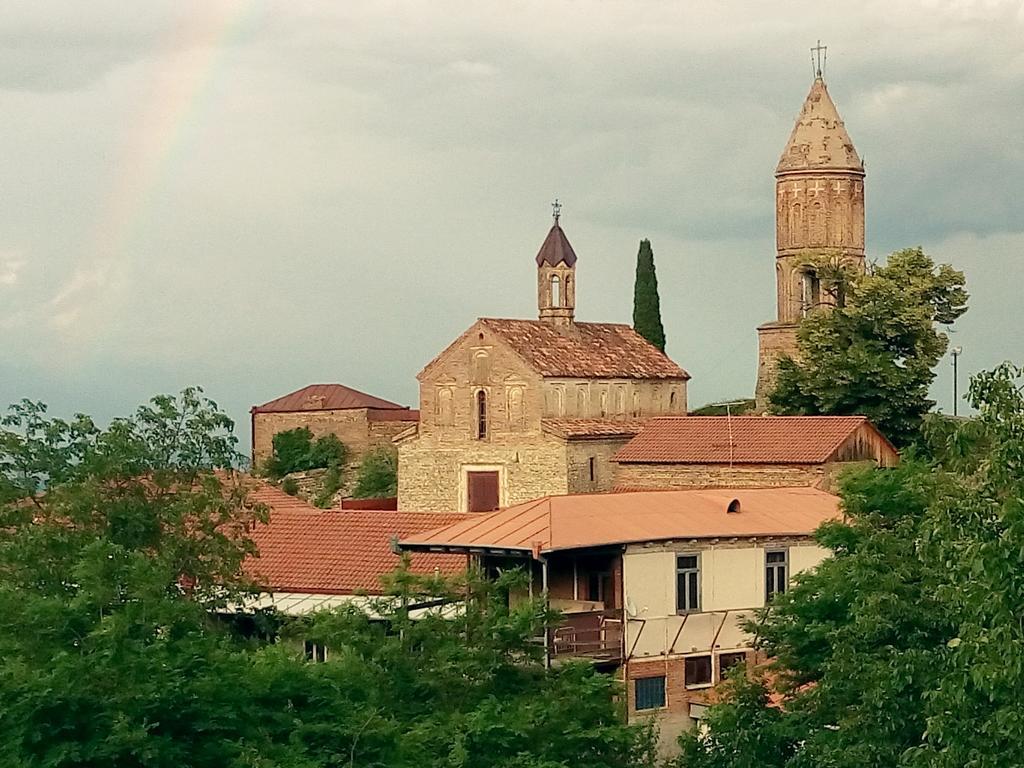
x=296, y=450
x=378, y=475
x=876, y=355
x=900, y=649
x=119, y=546
x=646, y=303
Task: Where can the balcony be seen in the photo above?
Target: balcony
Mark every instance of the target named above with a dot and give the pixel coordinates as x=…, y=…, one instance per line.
x=594, y=635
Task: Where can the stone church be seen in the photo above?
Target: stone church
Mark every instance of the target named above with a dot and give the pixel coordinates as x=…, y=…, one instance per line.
x=514, y=410
x=819, y=214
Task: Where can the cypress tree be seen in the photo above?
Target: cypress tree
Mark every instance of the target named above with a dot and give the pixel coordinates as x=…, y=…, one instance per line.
x=646, y=304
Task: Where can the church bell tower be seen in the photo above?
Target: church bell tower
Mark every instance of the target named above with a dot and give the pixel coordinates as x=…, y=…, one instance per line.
x=819, y=216
x=556, y=275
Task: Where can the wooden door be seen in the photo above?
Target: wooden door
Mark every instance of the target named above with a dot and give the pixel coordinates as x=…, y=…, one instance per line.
x=482, y=491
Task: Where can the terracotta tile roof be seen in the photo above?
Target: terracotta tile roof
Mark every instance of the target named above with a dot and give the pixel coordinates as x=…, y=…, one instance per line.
x=599, y=519
x=556, y=249
x=583, y=428
x=585, y=350
x=754, y=439
x=310, y=550
x=325, y=397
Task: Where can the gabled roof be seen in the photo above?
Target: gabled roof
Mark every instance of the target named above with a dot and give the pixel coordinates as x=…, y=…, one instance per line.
x=819, y=139
x=745, y=439
x=593, y=428
x=556, y=249
x=329, y=397
x=585, y=350
x=601, y=519
x=303, y=549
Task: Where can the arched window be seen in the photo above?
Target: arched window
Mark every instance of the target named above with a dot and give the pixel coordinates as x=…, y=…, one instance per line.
x=810, y=293
x=481, y=415
x=556, y=298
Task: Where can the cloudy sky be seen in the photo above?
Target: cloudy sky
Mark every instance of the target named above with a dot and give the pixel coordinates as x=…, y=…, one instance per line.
x=255, y=195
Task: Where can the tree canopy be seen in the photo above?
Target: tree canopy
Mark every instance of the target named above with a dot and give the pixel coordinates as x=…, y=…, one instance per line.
x=646, y=302
x=121, y=642
x=875, y=354
x=296, y=450
x=378, y=475
x=903, y=649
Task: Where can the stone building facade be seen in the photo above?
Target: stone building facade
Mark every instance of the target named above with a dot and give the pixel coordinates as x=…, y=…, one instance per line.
x=361, y=421
x=517, y=409
x=819, y=215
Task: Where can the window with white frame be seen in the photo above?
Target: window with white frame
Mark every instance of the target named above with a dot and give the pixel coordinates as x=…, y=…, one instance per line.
x=687, y=583
x=315, y=651
x=697, y=671
x=776, y=571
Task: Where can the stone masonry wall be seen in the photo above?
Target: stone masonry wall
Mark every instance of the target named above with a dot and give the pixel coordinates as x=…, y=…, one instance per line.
x=580, y=452
x=661, y=476
x=350, y=425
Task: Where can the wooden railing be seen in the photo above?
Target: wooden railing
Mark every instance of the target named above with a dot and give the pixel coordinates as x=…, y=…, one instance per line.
x=594, y=635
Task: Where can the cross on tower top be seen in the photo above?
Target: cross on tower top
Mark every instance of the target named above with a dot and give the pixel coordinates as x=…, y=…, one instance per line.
x=556, y=210
x=819, y=57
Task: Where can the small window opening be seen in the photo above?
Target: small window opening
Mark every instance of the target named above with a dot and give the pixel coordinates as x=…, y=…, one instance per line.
x=314, y=651
x=649, y=692
x=481, y=415
x=727, y=661
x=592, y=467
x=776, y=567
x=697, y=671
x=556, y=298
x=687, y=583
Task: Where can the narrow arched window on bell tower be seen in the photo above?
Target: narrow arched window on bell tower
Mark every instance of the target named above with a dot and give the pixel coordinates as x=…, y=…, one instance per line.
x=555, y=298
x=481, y=415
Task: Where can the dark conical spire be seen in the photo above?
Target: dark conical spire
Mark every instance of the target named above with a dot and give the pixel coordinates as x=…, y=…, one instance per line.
x=556, y=249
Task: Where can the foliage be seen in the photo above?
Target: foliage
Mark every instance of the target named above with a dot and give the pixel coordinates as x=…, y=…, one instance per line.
x=378, y=474
x=295, y=450
x=330, y=484
x=903, y=648
x=290, y=486
x=876, y=355
x=738, y=408
x=646, y=302
x=117, y=545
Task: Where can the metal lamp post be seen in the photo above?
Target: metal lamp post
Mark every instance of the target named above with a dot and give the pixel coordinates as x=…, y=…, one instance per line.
x=955, y=352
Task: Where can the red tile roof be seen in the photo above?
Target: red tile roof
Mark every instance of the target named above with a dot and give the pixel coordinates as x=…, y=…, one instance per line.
x=309, y=550
x=327, y=397
x=743, y=439
x=600, y=519
x=584, y=428
x=556, y=249
x=585, y=350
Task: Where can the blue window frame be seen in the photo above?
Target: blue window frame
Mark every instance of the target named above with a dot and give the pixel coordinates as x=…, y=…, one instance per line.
x=650, y=692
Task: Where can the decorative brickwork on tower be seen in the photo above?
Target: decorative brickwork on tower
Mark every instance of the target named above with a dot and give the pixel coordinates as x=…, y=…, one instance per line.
x=819, y=214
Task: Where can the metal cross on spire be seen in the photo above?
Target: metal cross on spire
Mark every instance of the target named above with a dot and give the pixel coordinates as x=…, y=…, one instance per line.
x=556, y=210
x=819, y=57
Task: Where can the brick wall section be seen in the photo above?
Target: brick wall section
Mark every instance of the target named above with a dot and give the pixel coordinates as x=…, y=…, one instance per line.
x=661, y=476
x=351, y=425
x=675, y=717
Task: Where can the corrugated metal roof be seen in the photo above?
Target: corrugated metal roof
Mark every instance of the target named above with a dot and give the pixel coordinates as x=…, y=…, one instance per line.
x=593, y=520
x=741, y=439
x=328, y=397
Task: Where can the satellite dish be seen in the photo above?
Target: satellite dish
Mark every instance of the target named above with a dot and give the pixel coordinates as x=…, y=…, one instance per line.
x=630, y=607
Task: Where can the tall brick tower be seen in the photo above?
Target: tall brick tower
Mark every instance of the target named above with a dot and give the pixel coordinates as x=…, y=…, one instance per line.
x=819, y=212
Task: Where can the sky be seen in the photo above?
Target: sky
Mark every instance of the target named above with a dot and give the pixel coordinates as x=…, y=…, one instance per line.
x=253, y=196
